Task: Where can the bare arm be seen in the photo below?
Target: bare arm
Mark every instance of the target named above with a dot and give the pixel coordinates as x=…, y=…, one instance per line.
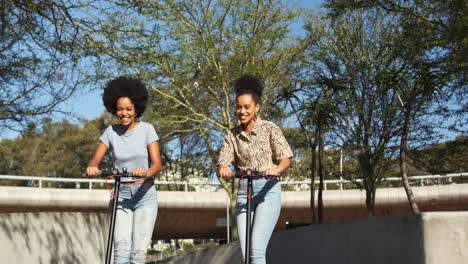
x=93, y=166
x=155, y=157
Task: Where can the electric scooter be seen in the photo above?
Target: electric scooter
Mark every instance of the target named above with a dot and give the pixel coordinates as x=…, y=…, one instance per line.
x=250, y=175
x=116, y=175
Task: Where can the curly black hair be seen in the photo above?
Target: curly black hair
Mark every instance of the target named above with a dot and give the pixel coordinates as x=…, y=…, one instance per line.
x=125, y=87
x=249, y=84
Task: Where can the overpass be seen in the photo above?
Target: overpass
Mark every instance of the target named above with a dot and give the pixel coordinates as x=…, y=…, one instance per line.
x=203, y=214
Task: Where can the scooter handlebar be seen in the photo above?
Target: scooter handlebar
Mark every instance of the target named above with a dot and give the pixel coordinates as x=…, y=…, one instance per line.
x=105, y=173
x=253, y=174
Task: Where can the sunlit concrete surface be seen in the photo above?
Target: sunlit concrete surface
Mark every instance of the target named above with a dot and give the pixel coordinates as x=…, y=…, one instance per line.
x=53, y=237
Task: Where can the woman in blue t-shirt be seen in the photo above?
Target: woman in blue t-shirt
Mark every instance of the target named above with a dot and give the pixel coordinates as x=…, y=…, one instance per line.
x=134, y=146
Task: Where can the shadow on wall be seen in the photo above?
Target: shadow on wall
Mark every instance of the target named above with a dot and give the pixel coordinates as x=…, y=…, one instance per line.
x=48, y=237
x=364, y=241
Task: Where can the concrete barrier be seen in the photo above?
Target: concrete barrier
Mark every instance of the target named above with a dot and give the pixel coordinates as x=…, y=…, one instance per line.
x=70, y=226
x=53, y=237
x=429, y=238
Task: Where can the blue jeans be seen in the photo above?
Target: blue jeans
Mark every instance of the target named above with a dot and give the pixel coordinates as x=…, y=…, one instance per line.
x=266, y=207
x=135, y=219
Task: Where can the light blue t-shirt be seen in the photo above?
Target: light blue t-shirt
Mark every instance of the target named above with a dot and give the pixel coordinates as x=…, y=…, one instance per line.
x=129, y=148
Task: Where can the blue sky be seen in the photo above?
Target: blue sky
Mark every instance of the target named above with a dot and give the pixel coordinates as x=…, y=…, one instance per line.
x=89, y=104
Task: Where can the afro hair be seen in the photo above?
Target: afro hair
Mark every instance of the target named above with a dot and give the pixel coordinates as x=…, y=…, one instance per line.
x=125, y=87
x=249, y=84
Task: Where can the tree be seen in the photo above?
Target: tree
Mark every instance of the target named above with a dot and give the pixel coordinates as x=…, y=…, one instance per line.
x=416, y=90
x=322, y=117
x=40, y=65
x=57, y=149
x=309, y=97
x=442, y=158
x=301, y=164
x=437, y=27
x=289, y=95
x=347, y=55
x=7, y=153
x=431, y=68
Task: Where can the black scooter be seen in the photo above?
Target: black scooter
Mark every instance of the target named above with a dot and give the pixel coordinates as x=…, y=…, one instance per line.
x=116, y=175
x=250, y=175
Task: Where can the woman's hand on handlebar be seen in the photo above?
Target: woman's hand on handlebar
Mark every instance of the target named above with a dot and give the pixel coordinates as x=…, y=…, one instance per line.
x=139, y=172
x=93, y=171
x=224, y=172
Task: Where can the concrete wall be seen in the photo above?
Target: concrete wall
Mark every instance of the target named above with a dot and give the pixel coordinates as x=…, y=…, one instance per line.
x=446, y=238
x=53, y=237
x=430, y=238
x=180, y=214
x=33, y=230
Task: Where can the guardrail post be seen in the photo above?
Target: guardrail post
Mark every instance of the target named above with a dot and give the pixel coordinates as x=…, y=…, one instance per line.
x=40, y=183
x=185, y=186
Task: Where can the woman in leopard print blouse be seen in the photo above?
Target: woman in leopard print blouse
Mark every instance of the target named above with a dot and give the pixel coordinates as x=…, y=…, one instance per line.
x=255, y=144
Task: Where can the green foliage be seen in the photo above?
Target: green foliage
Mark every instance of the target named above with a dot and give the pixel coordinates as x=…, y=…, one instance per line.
x=188, y=247
x=408, y=53
x=301, y=165
x=442, y=158
x=296, y=140
x=58, y=149
x=174, y=187
x=346, y=56
x=434, y=42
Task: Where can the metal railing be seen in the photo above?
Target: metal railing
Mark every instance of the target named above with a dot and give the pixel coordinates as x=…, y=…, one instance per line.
x=31, y=180
x=90, y=181
x=412, y=179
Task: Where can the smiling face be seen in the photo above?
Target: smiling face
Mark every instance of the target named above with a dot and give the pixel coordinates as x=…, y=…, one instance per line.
x=246, y=109
x=126, y=112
